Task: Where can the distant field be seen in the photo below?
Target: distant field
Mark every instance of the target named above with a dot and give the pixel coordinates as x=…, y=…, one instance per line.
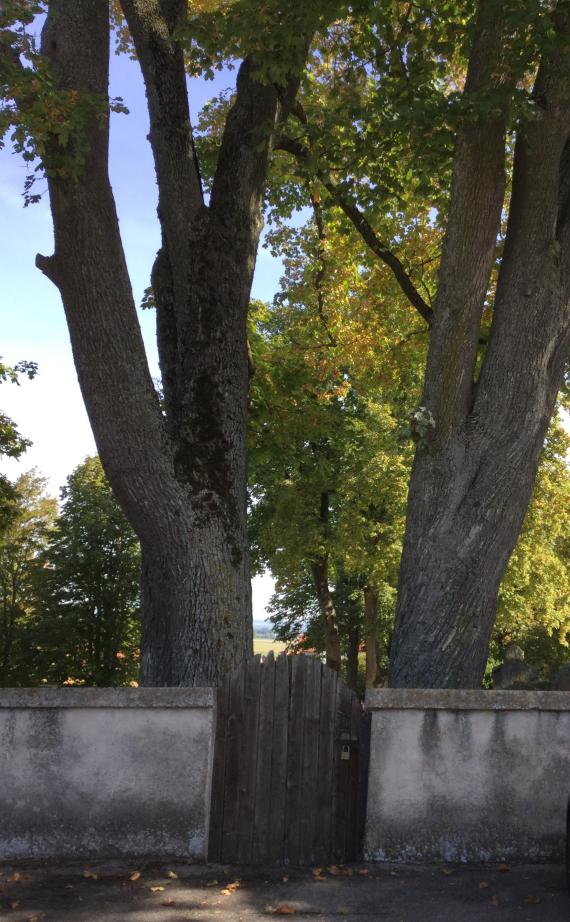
x=265, y=644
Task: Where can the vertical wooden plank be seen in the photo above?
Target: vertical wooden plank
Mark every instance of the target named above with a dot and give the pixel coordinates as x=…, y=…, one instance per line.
x=294, y=807
x=264, y=812
x=218, y=776
x=353, y=838
x=310, y=777
x=234, y=737
x=363, y=766
x=324, y=793
x=279, y=746
x=342, y=770
x=248, y=760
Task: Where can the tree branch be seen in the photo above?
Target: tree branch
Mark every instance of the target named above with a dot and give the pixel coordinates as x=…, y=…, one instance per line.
x=152, y=24
x=468, y=251
x=364, y=228
x=533, y=288
x=93, y=280
x=380, y=249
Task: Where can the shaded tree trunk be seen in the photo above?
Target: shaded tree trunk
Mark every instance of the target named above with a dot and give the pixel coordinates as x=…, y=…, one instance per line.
x=475, y=468
x=320, y=572
x=180, y=476
x=352, y=658
x=371, y=636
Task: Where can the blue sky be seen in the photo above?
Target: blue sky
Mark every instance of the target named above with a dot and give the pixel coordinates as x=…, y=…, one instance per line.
x=50, y=410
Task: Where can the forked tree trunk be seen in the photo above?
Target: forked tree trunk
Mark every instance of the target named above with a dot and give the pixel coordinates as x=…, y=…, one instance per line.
x=474, y=472
x=178, y=471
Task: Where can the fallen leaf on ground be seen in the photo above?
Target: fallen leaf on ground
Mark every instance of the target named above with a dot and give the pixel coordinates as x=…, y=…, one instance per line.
x=316, y=872
x=339, y=869
x=364, y=871
x=532, y=899
x=495, y=900
x=90, y=875
x=285, y=878
x=13, y=904
x=212, y=883
x=230, y=888
x=284, y=910
x=168, y=903
x=33, y=919
x=446, y=871
x=173, y=875
x=135, y=875
x=503, y=867
x=156, y=889
x=484, y=884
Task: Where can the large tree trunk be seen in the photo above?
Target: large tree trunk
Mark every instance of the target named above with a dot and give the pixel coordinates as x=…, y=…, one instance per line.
x=179, y=471
x=474, y=471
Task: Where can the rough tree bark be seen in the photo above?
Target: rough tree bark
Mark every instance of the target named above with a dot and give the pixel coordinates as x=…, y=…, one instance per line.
x=179, y=471
x=474, y=471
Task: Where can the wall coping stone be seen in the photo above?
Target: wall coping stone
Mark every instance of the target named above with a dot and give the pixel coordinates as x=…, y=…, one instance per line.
x=107, y=697
x=465, y=699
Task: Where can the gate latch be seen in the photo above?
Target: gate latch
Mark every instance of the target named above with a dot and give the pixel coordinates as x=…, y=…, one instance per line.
x=345, y=752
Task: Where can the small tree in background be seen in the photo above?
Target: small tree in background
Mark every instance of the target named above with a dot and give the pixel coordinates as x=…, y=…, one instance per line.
x=23, y=539
x=86, y=628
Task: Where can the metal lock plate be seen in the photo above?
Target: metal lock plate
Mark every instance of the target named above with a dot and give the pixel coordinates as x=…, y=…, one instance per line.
x=345, y=753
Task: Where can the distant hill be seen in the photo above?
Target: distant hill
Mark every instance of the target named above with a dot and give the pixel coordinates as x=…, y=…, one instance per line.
x=262, y=628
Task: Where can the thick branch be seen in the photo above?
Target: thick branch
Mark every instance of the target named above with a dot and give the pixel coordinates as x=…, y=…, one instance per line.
x=152, y=24
x=90, y=270
x=531, y=320
x=364, y=228
x=383, y=253
x=247, y=140
x=468, y=251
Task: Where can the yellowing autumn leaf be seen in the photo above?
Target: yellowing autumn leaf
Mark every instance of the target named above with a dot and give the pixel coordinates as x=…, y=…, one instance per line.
x=135, y=875
x=156, y=889
x=90, y=875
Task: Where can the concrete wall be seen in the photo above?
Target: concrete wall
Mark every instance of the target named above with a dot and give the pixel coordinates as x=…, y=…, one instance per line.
x=103, y=772
x=468, y=775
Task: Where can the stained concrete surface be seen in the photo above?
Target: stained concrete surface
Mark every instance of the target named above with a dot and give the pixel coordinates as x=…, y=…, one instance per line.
x=129, y=891
x=104, y=772
x=468, y=775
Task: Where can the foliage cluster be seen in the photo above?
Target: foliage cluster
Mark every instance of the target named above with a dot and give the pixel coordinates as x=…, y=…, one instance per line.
x=69, y=584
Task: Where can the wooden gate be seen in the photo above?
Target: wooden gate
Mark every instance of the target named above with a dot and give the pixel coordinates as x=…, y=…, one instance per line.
x=290, y=766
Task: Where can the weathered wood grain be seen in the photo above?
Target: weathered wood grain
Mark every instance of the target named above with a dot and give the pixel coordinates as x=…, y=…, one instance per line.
x=281, y=793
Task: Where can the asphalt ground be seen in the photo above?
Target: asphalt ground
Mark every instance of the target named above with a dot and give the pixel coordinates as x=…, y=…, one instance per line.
x=155, y=891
